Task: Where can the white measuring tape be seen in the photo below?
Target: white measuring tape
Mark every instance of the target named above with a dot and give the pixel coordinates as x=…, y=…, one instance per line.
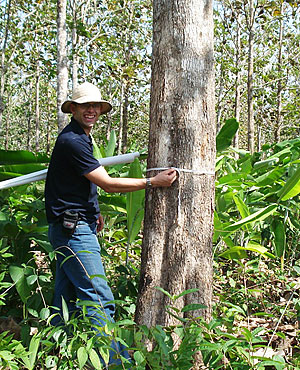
x=179, y=170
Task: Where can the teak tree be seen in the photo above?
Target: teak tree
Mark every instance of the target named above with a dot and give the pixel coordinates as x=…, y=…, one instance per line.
x=177, y=244
x=62, y=68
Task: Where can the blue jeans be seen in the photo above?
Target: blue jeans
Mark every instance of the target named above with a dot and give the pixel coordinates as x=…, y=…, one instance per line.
x=79, y=276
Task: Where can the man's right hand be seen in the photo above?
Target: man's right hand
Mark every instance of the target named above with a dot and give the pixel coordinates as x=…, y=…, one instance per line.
x=164, y=179
x=100, y=177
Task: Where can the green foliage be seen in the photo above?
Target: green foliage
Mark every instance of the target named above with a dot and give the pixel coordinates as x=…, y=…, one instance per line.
x=226, y=134
x=256, y=201
x=253, y=227
x=135, y=204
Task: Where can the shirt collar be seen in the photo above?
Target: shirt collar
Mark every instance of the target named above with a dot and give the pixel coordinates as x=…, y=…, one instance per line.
x=79, y=130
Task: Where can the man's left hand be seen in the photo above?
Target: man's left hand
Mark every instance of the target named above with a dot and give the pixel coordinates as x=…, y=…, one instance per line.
x=100, y=224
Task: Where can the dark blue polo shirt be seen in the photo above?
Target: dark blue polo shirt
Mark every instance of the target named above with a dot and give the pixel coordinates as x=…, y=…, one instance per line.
x=66, y=186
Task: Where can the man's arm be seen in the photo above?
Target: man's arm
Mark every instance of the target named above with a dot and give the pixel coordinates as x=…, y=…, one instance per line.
x=100, y=177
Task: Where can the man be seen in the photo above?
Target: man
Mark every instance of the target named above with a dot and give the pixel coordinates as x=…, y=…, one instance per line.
x=73, y=212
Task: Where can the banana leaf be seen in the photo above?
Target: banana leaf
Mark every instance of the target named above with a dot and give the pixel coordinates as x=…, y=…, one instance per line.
x=255, y=217
x=111, y=145
x=226, y=134
x=21, y=157
x=135, y=204
x=278, y=229
x=238, y=252
x=291, y=188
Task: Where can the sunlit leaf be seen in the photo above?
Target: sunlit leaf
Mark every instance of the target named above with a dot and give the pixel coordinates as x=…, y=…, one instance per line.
x=82, y=357
x=291, y=188
x=111, y=145
x=21, y=156
x=278, y=229
x=135, y=204
x=18, y=276
x=193, y=307
x=226, y=134
x=94, y=357
x=257, y=216
x=65, y=310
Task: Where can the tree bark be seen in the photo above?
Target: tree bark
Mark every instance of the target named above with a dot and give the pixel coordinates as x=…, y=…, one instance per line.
x=279, y=86
x=250, y=78
x=75, y=44
x=62, y=69
x=3, y=67
x=120, y=134
x=37, y=107
x=125, y=117
x=237, y=103
x=177, y=243
x=48, y=135
x=29, y=118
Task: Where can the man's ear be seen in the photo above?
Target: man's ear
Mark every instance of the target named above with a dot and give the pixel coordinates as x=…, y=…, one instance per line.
x=72, y=107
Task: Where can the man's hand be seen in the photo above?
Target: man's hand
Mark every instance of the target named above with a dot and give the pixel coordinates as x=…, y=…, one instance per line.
x=164, y=179
x=100, y=177
x=100, y=224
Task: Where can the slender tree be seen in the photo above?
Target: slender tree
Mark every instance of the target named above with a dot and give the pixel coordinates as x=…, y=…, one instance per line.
x=3, y=67
x=177, y=244
x=37, y=107
x=278, y=122
x=76, y=40
x=250, y=24
x=62, y=68
x=237, y=102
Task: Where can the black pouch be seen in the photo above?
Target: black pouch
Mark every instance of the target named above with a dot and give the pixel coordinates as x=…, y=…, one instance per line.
x=70, y=220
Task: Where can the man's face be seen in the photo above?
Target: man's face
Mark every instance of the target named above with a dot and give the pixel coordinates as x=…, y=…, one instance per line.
x=86, y=114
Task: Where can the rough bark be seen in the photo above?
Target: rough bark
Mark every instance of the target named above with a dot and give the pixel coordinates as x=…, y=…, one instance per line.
x=177, y=244
x=62, y=69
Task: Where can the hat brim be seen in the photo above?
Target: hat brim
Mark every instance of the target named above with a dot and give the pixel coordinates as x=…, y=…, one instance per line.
x=106, y=106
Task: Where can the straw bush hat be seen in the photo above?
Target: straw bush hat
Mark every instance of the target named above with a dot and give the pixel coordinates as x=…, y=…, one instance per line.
x=86, y=93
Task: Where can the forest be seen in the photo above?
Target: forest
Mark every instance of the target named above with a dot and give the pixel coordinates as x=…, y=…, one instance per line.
x=249, y=317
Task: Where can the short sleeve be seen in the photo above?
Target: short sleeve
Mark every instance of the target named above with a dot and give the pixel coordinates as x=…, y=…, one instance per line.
x=80, y=155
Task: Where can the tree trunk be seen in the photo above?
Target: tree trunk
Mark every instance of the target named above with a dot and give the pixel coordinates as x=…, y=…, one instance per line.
x=76, y=41
x=29, y=118
x=177, y=244
x=7, y=129
x=125, y=118
x=237, y=104
x=259, y=139
x=2, y=67
x=48, y=124
x=279, y=86
x=250, y=78
x=37, y=108
x=123, y=127
x=120, y=134
x=219, y=108
x=62, y=69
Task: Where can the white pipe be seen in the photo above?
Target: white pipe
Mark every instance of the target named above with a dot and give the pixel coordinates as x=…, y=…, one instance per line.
x=41, y=175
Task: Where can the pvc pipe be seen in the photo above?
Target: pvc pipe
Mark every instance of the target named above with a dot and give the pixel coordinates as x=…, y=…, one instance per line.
x=41, y=175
